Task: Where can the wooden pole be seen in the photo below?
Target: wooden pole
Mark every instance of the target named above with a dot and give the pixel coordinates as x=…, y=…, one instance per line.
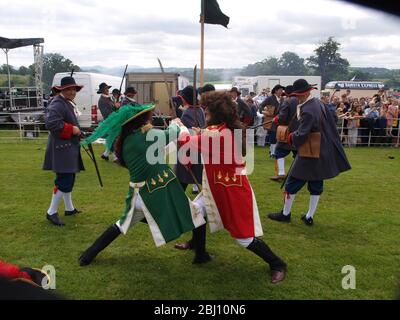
x=202, y=51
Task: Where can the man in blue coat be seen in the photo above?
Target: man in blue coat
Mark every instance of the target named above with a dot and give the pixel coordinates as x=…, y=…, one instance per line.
x=63, y=150
x=192, y=116
x=313, y=117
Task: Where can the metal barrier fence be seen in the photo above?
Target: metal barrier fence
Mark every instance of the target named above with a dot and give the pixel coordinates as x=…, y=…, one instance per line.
x=369, y=133
x=26, y=129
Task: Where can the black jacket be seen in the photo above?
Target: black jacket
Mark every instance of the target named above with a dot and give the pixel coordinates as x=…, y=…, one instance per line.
x=315, y=117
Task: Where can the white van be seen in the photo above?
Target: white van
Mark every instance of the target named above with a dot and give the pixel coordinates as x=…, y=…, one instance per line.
x=86, y=99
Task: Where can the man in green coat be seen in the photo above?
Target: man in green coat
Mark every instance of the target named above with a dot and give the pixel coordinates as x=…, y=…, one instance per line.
x=154, y=192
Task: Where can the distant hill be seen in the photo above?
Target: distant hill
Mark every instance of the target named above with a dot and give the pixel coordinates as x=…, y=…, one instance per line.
x=210, y=75
x=379, y=73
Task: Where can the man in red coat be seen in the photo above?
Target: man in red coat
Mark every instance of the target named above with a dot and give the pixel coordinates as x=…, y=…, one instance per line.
x=227, y=198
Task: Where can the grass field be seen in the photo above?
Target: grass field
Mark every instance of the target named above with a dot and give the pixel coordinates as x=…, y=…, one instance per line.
x=357, y=223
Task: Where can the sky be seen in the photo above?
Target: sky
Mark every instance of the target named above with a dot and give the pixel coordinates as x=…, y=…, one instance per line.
x=115, y=33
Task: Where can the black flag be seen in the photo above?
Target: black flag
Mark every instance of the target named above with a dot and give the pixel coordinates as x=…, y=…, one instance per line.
x=212, y=13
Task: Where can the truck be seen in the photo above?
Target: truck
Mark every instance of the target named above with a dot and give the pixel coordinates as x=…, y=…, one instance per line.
x=87, y=98
x=151, y=87
x=258, y=83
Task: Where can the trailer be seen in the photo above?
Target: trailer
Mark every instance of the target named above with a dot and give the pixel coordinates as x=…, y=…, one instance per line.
x=151, y=87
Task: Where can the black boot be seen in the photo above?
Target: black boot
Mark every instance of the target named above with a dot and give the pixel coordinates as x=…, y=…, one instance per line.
x=199, y=244
x=102, y=242
x=278, y=267
x=279, y=216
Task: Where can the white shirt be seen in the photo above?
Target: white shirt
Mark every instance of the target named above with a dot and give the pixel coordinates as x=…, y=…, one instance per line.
x=301, y=104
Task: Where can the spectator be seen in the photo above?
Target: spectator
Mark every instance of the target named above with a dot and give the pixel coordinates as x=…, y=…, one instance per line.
x=346, y=102
x=392, y=116
x=333, y=102
x=371, y=112
x=353, y=123
x=363, y=103
x=348, y=95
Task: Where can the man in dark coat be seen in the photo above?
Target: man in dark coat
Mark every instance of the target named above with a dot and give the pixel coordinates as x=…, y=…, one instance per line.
x=313, y=117
x=63, y=150
x=244, y=111
x=192, y=116
x=129, y=96
x=287, y=117
x=105, y=102
x=275, y=101
x=106, y=106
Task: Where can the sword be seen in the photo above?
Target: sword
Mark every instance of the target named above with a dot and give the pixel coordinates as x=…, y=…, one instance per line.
x=193, y=177
x=194, y=85
x=123, y=77
x=172, y=107
x=266, y=122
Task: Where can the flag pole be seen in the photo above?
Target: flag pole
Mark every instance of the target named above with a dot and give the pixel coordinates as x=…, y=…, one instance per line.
x=202, y=45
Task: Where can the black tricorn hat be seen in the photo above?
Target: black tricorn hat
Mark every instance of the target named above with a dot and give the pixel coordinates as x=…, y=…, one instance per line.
x=235, y=89
x=276, y=88
x=187, y=94
x=130, y=90
x=102, y=86
x=68, y=82
x=206, y=88
x=288, y=90
x=301, y=86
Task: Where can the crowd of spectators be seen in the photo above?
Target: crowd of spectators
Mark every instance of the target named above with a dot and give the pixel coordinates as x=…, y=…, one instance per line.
x=366, y=120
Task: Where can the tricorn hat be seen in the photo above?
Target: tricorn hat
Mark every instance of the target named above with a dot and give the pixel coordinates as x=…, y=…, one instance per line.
x=130, y=90
x=235, y=89
x=102, y=86
x=206, y=88
x=288, y=90
x=68, y=82
x=187, y=95
x=301, y=86
x=276, y=88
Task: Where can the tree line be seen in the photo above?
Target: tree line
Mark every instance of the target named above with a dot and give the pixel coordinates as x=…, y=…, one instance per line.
x=326, y=62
